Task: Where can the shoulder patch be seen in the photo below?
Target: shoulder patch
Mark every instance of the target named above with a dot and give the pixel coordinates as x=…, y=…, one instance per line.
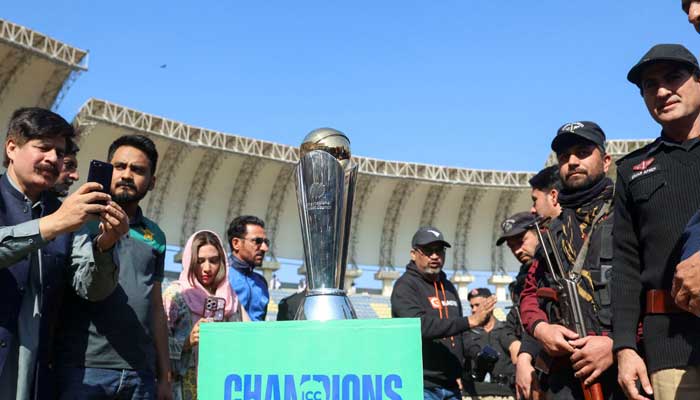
x=149, y=233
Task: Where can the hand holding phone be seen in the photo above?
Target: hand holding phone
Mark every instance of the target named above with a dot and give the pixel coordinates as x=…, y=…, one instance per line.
x=214, y=308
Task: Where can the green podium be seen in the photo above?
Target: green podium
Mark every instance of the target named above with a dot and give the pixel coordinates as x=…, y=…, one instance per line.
x=378, y=359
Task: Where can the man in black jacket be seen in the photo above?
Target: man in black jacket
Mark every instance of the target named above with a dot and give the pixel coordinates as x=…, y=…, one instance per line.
x=424, y=292
x=657, y=192
x=579, y=244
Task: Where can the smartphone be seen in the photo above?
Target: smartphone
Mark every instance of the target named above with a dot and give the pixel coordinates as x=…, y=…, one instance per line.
x=101, y=172
x=214, y=308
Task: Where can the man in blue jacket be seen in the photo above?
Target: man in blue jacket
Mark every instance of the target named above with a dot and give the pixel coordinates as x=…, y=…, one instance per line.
x=246, y=235
x=45, y=249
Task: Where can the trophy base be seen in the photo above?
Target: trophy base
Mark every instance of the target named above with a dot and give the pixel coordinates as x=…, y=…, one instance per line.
x=324, y=305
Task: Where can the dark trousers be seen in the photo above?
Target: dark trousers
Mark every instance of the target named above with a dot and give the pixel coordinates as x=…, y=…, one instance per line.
x=100, y=383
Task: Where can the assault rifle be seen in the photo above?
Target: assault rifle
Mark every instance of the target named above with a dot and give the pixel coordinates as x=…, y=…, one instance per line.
x=565, y=293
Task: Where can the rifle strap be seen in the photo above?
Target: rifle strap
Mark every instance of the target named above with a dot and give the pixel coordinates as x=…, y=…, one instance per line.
x=583, y=253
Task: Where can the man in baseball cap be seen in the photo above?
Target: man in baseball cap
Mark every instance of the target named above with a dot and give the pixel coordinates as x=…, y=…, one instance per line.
x=586, y=196
x=424, y=292
x=520, y=235
x=657, y=193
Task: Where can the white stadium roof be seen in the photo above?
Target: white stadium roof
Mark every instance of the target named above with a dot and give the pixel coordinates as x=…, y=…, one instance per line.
x=35, y=70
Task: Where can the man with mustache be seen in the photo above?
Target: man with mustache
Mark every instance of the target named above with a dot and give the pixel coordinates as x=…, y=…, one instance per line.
x=581, y=239
x=46, y=250
x=520, y=236
x=246, y=235
x=118, y=347
x=692, y=9
x=658, y=190
x=69, y=172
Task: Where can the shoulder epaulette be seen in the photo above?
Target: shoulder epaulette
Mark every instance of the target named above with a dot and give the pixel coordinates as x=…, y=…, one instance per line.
x=640, y=151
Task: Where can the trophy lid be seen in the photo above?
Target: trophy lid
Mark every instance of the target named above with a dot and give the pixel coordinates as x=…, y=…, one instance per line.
x=329, y=140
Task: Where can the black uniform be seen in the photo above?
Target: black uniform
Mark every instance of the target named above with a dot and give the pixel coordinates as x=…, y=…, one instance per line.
x=442, y=323
x=657, y=192
x=579, y=208
x=503, y=373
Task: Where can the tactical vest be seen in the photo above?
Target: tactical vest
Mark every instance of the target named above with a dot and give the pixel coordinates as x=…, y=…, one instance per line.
x=598, y=264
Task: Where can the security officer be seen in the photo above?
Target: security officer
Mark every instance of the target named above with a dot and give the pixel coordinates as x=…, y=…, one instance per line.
x=657, y=192
x=583, y=228
x=488, y=349
x=520, y=236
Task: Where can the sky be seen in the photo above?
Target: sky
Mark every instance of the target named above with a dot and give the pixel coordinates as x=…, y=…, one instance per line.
x=472, y=83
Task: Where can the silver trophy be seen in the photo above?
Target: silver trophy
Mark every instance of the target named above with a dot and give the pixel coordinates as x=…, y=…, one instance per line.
x=325, y=189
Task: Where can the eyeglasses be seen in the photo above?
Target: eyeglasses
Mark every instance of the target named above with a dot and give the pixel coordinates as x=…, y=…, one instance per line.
x=259, y=241
x=429, y=251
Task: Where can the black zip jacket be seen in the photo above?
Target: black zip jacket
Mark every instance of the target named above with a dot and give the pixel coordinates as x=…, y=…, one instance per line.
x=438, y=306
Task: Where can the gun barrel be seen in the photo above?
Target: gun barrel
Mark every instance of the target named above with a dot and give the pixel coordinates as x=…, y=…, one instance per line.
x=577, y=321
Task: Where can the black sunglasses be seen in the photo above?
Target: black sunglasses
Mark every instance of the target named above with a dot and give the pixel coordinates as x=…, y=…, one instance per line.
x=429, y=251
x=259, y=241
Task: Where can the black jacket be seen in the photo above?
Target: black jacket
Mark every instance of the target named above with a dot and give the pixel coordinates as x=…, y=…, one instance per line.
x=658, y=191
x=442, y=323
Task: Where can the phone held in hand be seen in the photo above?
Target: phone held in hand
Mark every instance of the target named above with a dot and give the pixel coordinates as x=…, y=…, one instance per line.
x=214, y=308
x=101, y=172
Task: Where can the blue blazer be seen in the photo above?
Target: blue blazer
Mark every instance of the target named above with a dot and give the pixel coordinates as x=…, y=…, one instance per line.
x=14, y=280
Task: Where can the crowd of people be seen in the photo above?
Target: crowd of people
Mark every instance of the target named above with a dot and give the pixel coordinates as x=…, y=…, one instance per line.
x=606, y=302
x=83, y=314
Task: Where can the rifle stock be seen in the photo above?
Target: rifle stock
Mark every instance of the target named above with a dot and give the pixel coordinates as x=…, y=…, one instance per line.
x=592, y=392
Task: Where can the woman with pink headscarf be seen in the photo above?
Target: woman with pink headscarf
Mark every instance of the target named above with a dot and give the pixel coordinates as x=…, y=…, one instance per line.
x=204, y=274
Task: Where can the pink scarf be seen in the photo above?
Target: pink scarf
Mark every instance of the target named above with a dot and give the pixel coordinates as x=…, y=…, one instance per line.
x=195, y=294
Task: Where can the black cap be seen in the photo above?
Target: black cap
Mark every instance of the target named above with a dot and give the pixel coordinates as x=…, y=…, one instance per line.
x=573, y=132
x=515, y=225
x=426, y=235
x=662, y=52
x=479, y=292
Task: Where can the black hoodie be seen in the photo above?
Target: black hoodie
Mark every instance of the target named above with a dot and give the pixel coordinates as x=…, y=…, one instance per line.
x=442, y=323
